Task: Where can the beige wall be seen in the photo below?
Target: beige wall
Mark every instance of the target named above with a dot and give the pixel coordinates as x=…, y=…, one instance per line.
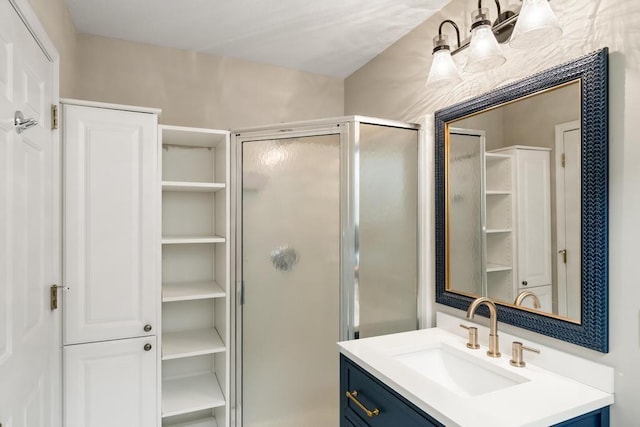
x=202, y=90
x=56, y=20
x=192, y=89
x=393, y=85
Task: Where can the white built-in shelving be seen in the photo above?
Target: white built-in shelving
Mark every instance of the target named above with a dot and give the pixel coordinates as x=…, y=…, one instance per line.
x=204, y=422
x=172, y=292
x=195, y=276
x=201, y=187
x=190, y=394
x=176, y=345
x=517, y=234
x=181, y=240
x=499, y=226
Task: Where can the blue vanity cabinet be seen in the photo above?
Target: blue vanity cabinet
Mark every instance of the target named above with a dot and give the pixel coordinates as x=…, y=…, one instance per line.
x=598, y=418
x=396, y=411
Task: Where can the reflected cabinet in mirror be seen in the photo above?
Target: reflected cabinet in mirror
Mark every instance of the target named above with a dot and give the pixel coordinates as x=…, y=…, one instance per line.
x=521, y=202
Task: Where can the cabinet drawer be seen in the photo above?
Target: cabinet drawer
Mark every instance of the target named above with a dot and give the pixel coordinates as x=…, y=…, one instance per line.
x=598, y=418
x=394, y=409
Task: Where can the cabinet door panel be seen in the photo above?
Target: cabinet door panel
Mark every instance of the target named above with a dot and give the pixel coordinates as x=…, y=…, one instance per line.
x=110, y=229
x=534, y=218
x=111, y=383
x=394, y=410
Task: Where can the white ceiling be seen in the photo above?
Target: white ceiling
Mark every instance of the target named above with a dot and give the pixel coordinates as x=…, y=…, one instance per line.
x=330, y=37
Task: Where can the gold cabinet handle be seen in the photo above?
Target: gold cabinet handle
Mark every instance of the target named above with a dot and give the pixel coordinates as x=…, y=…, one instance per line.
x=352, y=395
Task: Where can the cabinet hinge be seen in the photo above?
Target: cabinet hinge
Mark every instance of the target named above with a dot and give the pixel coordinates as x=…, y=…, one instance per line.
x=562, y=159
x=54, y=117
x=54, y=296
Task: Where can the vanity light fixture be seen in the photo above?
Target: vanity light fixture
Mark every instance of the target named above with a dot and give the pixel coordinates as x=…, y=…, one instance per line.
x=443, y=71
x=534, y=24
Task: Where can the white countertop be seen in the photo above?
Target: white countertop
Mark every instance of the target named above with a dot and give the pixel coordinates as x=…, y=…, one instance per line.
x=543, y=399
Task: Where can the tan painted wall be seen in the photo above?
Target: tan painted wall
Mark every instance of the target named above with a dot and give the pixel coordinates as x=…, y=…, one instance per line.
x=393, y=85
x=202, y=90
x=192, y=89
x=56, y=20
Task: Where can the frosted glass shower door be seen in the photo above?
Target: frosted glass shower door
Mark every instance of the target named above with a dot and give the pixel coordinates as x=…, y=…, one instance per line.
x=466, y=212
x=291, y=274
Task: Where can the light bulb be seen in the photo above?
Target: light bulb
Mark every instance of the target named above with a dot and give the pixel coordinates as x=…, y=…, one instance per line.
x=536, y=26
x=443, y=70
x=484, y=51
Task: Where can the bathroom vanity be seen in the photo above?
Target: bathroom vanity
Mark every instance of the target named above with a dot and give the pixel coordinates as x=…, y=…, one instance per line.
x=430, y=378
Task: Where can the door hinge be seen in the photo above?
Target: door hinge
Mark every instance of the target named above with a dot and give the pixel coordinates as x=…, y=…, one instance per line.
x=562, y=159
x=54, y=117
x=54, y=296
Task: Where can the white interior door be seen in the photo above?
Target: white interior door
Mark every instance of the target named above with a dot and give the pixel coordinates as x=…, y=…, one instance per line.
x=568, y=209
x=29, y=371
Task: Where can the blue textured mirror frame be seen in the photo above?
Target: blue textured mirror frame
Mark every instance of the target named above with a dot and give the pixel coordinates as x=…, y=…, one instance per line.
x=592, y=72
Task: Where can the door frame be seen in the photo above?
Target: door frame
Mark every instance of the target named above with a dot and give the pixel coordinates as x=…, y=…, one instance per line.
x=560, y=130
x=35, y=28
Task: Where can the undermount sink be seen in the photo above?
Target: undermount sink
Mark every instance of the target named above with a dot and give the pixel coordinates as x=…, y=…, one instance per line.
x=453, y=371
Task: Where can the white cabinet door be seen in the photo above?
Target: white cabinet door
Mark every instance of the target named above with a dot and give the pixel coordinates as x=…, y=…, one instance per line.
x=111, y=384
x=110, y=229
x=534, y=218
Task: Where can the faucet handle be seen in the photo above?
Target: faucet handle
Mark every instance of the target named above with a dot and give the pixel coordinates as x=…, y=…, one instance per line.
x=516, y=354
x=473, y=336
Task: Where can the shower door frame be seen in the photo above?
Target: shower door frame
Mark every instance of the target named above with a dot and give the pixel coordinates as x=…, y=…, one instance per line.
x=348, y=130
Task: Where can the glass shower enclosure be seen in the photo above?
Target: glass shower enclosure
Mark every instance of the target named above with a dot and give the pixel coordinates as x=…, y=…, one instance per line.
x=326, y=249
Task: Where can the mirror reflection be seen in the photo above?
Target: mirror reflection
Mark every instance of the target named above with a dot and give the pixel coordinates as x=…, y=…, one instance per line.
x=514, y=203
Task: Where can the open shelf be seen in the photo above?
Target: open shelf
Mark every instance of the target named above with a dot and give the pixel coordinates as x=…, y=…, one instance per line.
x=496, y=156
x=498, y=230
x=206, y=422
x=201, y=187
x=497, y=267
x=191, y=290
x=192, y=137
x=177, y=240
x=190, y=394
x=176, y=345
x=195, y=200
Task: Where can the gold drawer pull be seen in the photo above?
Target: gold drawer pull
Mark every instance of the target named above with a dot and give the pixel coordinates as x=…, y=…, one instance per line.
x=352, y=395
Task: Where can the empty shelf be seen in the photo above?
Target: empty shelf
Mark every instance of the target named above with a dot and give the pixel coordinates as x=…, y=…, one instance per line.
x=498, y=267
x=498, y=230
x=202, y=187
x=190, y=394
x=205, y=422
x=176, y=240
x=191, y=290
x=496, y=156
x=191, y=343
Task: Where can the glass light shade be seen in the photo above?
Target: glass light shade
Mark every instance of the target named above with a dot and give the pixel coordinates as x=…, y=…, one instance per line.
x=484, y=52
x=443, y=70
x=537, y=25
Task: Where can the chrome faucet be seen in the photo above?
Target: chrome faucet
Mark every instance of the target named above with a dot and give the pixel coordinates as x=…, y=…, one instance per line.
x=494, y=346
x=523, y=295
